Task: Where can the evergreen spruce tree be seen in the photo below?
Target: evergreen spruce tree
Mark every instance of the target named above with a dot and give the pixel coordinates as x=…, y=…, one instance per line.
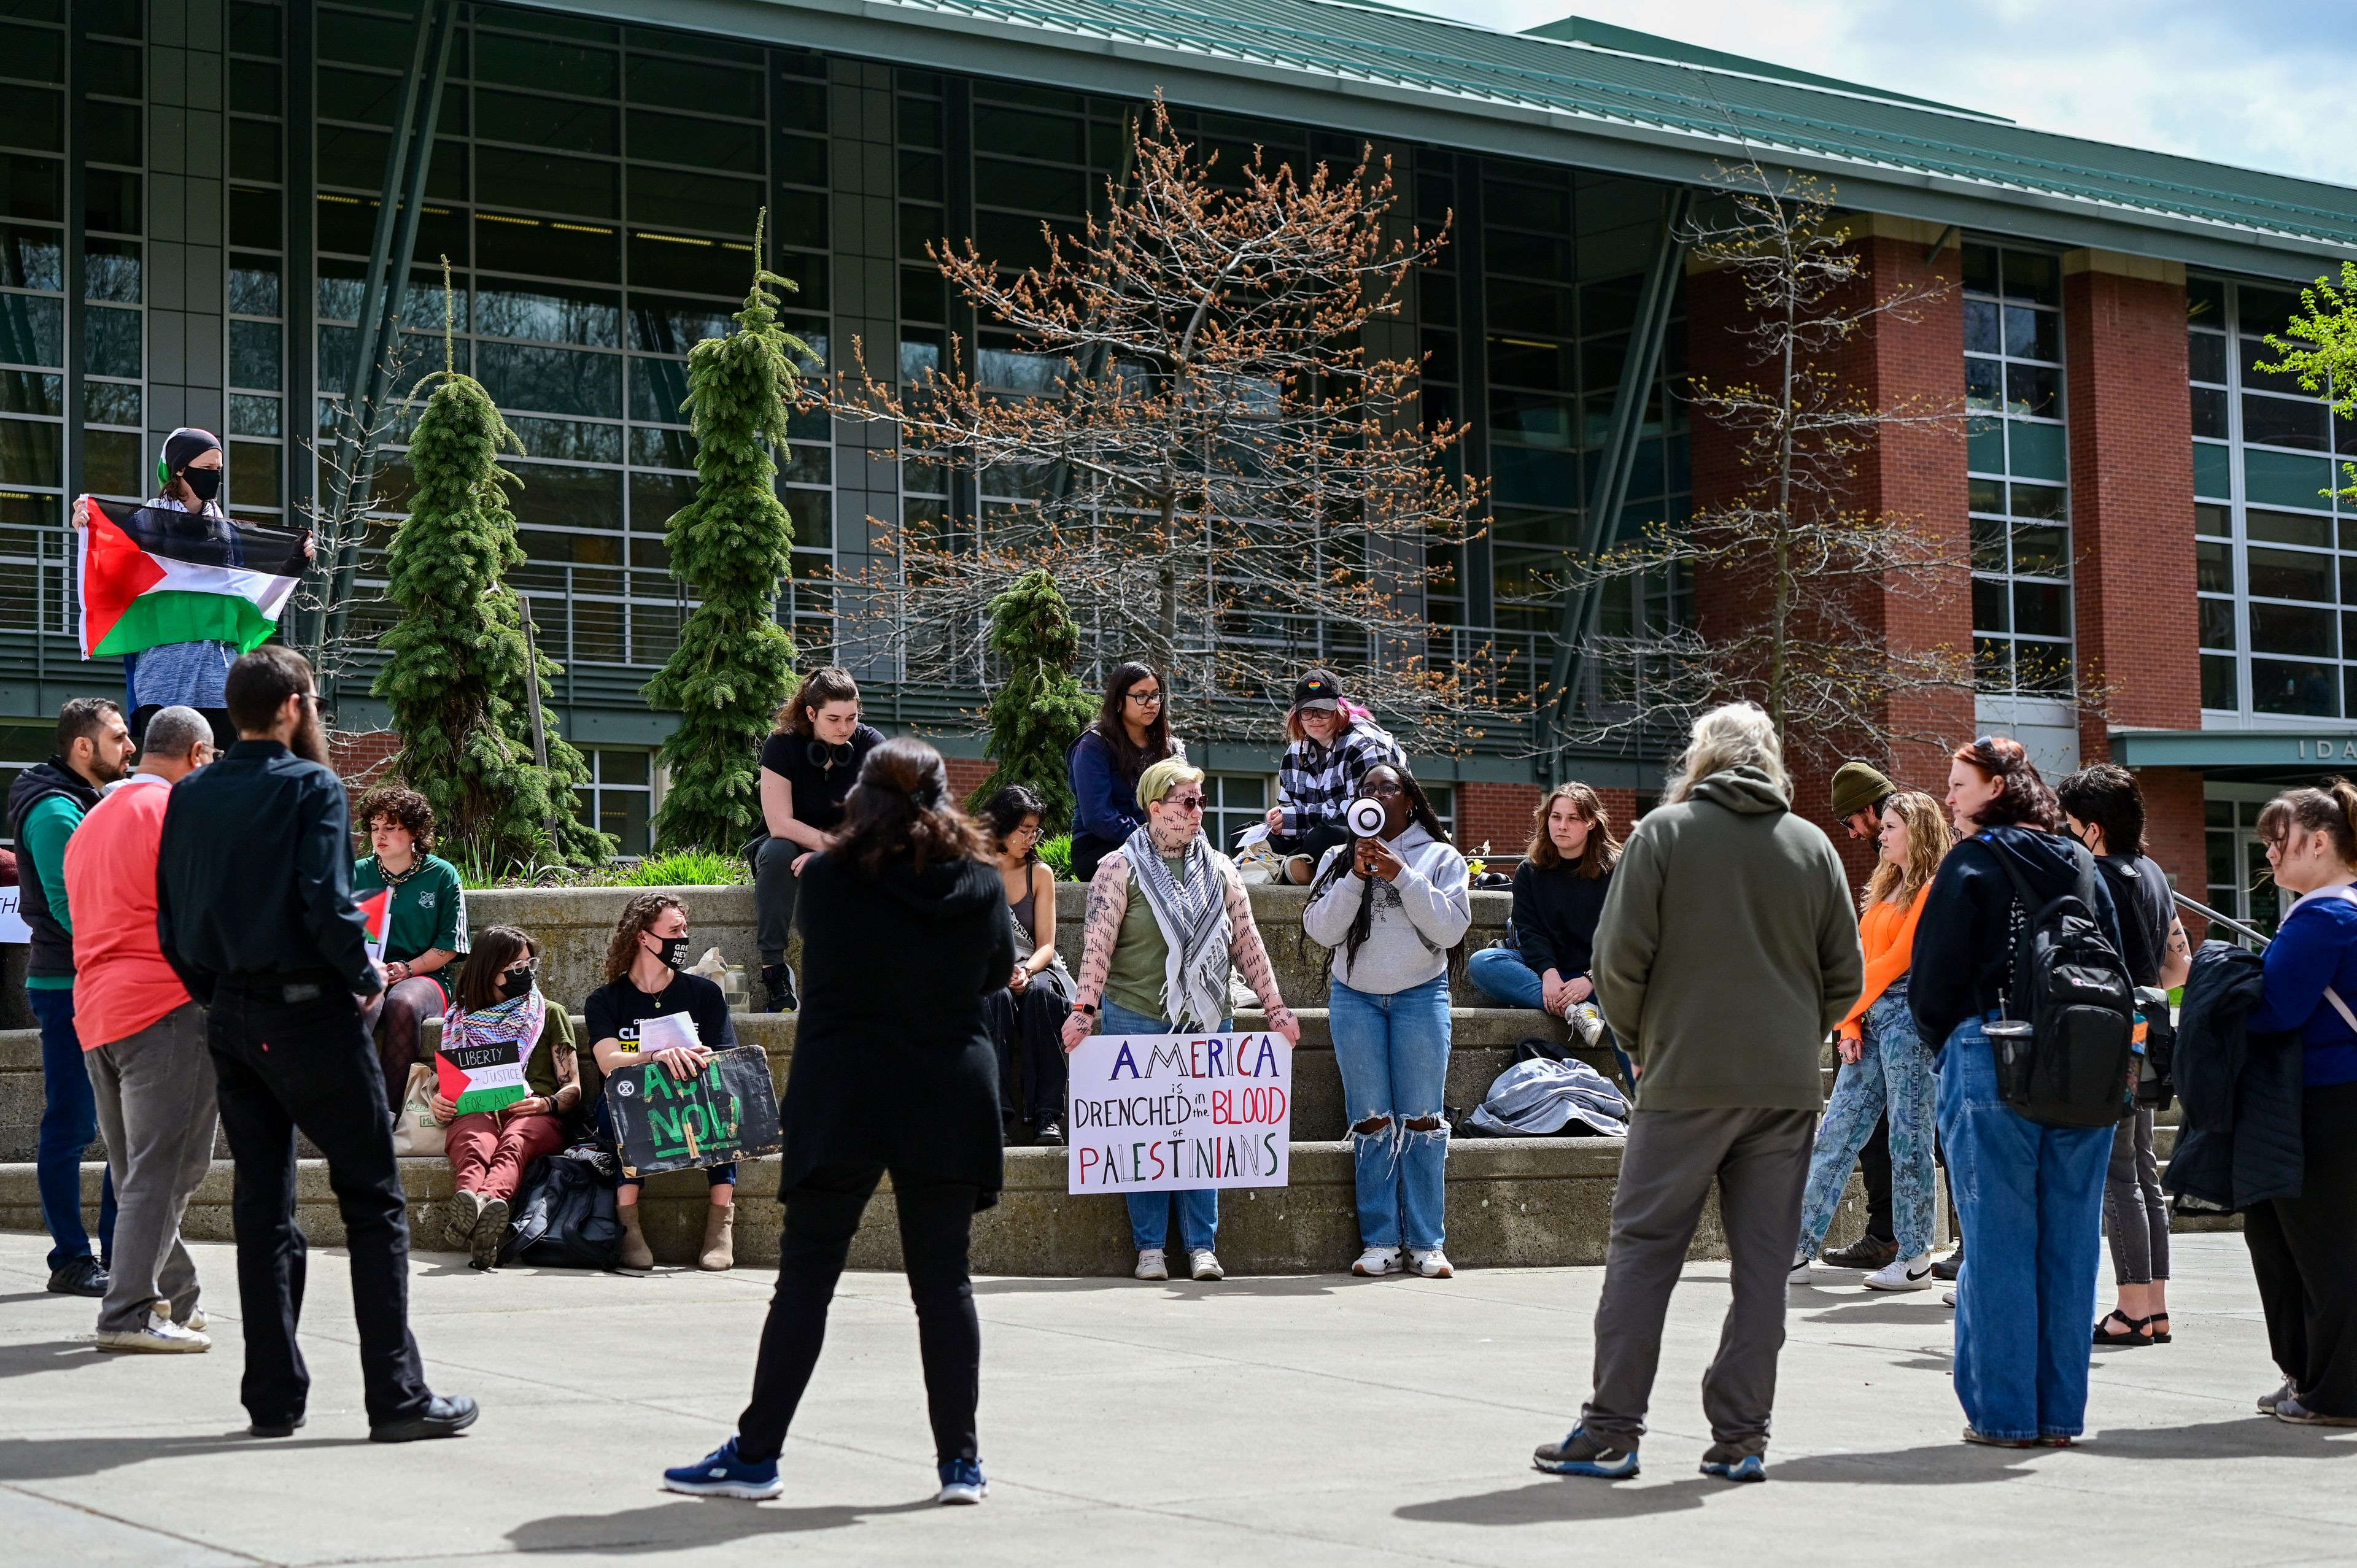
x=456, y=662
x=730, y=546
x=1041, y=710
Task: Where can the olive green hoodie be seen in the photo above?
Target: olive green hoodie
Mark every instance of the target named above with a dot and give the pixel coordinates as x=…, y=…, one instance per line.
x=1727, y=950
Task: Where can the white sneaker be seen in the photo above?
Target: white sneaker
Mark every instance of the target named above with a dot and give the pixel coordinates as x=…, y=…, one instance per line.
x=196, y=1314
x=1902, y=1273
x=1799, y=1273
x=1430, y=1263
x=1150, y=1265
x=1587, y=1021
x=1376, y=1262
x=1204, y=1264
x=160, y=1336
x=1948, y=1296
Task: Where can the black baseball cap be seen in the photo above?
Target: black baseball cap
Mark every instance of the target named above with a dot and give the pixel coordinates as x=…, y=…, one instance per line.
x=1318, y=690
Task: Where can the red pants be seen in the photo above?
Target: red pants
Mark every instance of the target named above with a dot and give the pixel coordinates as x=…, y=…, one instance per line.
x=490, y=1153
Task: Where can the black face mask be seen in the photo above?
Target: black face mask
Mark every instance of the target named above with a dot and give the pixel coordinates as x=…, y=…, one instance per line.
x=205, y=482
x=672, y=950
x=515, y=983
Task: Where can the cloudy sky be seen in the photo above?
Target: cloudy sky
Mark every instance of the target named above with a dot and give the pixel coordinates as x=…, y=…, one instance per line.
x=2253, y=82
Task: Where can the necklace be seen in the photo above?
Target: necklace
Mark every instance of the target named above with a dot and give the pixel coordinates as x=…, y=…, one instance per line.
x=395, y=878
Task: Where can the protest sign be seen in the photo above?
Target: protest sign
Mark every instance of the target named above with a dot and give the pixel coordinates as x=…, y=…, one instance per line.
x=727, y=1111
x=1172, y=1112
x=11, y=924
x=480, y=1077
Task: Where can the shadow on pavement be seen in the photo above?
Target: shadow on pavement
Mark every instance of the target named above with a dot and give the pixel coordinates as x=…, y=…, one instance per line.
x=689, y=1521
x=2252, y=1437
x=47, y=1356
x=62, y=1458
x=1269, y=1286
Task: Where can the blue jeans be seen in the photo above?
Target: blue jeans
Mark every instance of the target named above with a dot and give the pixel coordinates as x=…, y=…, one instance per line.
x=2031, y=1200
x=1149, y=1212
x=1503, y=977
x=1893, y=1072
x=1393, y=1053
x=69, y=1122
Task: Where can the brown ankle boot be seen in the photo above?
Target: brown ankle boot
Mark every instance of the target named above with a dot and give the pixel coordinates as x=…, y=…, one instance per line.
x=636, y=1253
x=719, y=1245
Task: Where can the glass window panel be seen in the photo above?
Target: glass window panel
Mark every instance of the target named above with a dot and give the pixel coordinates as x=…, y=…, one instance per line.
x=2289, y=527
x=111, y=342
x=2041, y=609
x=254, y=473
x=920, y=121
x=695, y=264
x=552, y=381
x=2283, y=574
x=112, y=463
x=1022, y=133
x=590, y=317
x=508, y=177
x=254, y=150
x=1529, y=364
x=566, y=439
x=2213, y=566
x=565, y=124
x=652, y=447
x=2035, y=451
x=250, y=415
x=2218, y=684
x=112, y=132
x=2042, y=667
x=1990, y=610
x=2032, y=278
x=254, y=87
x=2213, y=469
x=2256, y=354
x=2041, y=552
x=695, y=202
x=2210, y=413
x=548, y=67
x=351, y=157
x=2205, y=355
x=2205, y=301
x=253, y=287
x=1988, y=546
x=2280, y=478
x=1984, y=495
x=32, y=119
x=32, y=188
x=110, y=402
x=812, y=513
x=2050, y=502
x=2293, y=629
x=2280, y=687
x=255, y=355
x=555, y=497
x=1993, y=663
x=111, y=272
x=2218, y=623
x=112, y=200
x=32, y=330
x=689, y=84
x=1981, y=334
x=1532, y=417
x=2035, y=389
x=700, y=144
x=655, y=498
x=253, y=218
x=658, y=390
x=1983, y=385
x=2280, y=422
x=1032, y=187
x=1980, y=269
x=31, y=454
x=527, y=246
x=22, y=392
x=2213, y=520
x=801, y=160
x=31, y=258
x=2032, y=334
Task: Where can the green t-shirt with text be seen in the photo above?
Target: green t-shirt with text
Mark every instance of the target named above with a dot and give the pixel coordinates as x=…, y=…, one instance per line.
x=429, y=908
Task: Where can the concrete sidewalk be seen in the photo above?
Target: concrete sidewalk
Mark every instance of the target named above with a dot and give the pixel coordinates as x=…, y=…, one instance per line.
x=1312, y=1420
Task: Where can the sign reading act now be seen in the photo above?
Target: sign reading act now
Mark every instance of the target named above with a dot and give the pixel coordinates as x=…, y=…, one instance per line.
x=1172, y=1113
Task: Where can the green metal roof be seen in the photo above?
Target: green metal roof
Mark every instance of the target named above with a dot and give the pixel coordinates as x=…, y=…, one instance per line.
x=1377, y=70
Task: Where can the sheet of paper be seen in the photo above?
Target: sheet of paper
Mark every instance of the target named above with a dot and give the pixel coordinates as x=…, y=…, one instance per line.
x=666, y=1032
x=1252, y=835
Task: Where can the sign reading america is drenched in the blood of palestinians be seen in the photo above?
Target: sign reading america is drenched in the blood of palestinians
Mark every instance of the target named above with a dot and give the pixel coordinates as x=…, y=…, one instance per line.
x=1173, y=1112
x=152, y=575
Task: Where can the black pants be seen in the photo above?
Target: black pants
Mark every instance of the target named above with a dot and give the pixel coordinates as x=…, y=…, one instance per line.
x=1874, y=1165
x=1313, y=841
x=1029, y=1031
x=1087, y=850
x=775, y=889
x=310, y=1066
x=2304, y=1251
x=822, y=1213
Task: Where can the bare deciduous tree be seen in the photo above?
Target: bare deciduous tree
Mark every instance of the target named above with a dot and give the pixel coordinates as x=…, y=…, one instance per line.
x=1191, y=436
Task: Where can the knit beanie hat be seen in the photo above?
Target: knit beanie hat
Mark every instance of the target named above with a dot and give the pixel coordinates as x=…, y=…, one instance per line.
x=1857, y=787
x=184, y=445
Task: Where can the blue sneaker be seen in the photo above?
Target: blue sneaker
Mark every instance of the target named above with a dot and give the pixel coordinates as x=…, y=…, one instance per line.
x=720, y=1474
x=1733, y=1465
x=961, y=1482
x=1582, y=1453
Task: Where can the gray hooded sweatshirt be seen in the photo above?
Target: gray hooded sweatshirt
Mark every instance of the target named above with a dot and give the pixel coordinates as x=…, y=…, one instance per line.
x=1418, y=915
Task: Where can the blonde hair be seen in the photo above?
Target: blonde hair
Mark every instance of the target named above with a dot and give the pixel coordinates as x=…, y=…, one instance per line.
x=1161, y=778
x=1737, y=735
x=1927, y=846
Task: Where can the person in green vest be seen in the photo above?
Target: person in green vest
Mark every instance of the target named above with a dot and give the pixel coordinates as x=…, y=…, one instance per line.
x=424, y=927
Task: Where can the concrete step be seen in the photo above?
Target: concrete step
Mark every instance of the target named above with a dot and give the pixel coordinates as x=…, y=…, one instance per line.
x=1512, y=1202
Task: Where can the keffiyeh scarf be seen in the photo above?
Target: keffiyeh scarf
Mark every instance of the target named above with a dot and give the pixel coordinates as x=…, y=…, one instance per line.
x=1193, y=915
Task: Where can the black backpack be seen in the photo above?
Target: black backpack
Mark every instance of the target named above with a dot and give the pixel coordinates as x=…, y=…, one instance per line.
x=2073, y=1063
x=566, y=1216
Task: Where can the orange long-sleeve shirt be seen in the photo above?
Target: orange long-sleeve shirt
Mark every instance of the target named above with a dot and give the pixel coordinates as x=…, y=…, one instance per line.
x=1887, y=931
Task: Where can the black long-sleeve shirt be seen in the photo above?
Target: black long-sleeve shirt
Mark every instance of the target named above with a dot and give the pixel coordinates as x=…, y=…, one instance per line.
x=1556, y=911
x=254, y=879
x=1963, y=939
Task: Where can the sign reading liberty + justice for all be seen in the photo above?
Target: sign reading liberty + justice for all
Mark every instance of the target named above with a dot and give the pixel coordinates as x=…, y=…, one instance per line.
x=1173, y=1112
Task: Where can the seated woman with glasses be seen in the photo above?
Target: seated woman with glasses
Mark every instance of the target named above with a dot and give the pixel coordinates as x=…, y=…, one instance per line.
x=1167, y=920
x=499, y=1004
x=808, y=765
x=1131, y=733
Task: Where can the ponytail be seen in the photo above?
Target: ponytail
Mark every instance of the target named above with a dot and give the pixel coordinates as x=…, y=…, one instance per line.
x=2331, y=810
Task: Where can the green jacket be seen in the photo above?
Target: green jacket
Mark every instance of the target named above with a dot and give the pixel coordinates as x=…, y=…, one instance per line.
x=1727, y=950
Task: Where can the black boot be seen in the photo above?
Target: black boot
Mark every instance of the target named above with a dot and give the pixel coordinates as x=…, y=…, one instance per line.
x=780, y=982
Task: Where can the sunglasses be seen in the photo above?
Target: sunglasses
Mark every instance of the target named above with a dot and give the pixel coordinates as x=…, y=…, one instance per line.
x=1183, y=802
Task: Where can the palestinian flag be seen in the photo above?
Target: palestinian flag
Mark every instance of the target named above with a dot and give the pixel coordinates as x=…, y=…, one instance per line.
x=377, y=910
x=151, y=575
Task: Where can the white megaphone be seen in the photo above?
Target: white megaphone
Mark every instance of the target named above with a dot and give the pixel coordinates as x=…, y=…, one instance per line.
x=1366, y=818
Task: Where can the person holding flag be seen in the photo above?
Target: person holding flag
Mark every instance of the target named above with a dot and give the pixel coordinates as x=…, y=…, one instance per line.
x=177, y=589
x=416, y=915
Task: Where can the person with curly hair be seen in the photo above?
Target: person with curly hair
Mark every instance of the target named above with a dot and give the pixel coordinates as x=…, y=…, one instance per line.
x=646, y=979
x=424, y=927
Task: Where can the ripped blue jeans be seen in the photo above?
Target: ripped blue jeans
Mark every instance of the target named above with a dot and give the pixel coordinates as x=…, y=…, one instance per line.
x=1393, y=1053
x=1893, y=1072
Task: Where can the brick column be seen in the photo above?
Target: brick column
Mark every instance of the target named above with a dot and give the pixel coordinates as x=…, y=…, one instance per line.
x=1913, y=471
x=2132, y=525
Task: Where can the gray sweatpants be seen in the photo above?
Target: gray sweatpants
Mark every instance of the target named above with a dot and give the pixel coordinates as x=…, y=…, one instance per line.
x=1761, y=1161
x=156, y=1110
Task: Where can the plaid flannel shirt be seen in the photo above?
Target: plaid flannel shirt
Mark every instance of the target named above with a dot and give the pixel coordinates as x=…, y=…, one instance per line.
x=1316, y=783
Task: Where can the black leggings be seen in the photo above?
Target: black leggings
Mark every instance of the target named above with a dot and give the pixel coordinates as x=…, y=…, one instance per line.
x=822, y=1215
x=2307, y=1270
x=397, y=1018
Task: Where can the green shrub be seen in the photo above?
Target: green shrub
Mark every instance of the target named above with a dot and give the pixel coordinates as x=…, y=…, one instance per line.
x=1058, y=852
x=687, y=868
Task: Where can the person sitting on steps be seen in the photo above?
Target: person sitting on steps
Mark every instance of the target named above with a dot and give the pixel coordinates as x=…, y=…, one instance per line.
x=425, y=925
x=1559, y=893
x=808, y=765
x=646, y=979
x=1334, y=743
x=490, y=1151
x=1026, y=1014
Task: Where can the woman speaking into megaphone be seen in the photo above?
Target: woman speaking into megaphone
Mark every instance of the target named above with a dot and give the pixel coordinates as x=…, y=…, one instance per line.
x=1394, y=905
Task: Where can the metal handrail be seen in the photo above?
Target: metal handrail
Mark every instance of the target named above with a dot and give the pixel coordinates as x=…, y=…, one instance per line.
x=2214, y=917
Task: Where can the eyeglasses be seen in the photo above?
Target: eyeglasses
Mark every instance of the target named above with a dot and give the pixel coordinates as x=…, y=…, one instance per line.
x=1144, y=699
x=1386, y=790
x=1183, y=802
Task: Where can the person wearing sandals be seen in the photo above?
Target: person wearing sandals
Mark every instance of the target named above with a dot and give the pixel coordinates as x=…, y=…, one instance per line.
x=2030, y=1195
x=499, y=1004
x=2103, y=809
x=1395, y=910
x=1334, y=741
x=1886, y=1067
x=1167, y=917
x=1027, y=1016
x=2300, y=1250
